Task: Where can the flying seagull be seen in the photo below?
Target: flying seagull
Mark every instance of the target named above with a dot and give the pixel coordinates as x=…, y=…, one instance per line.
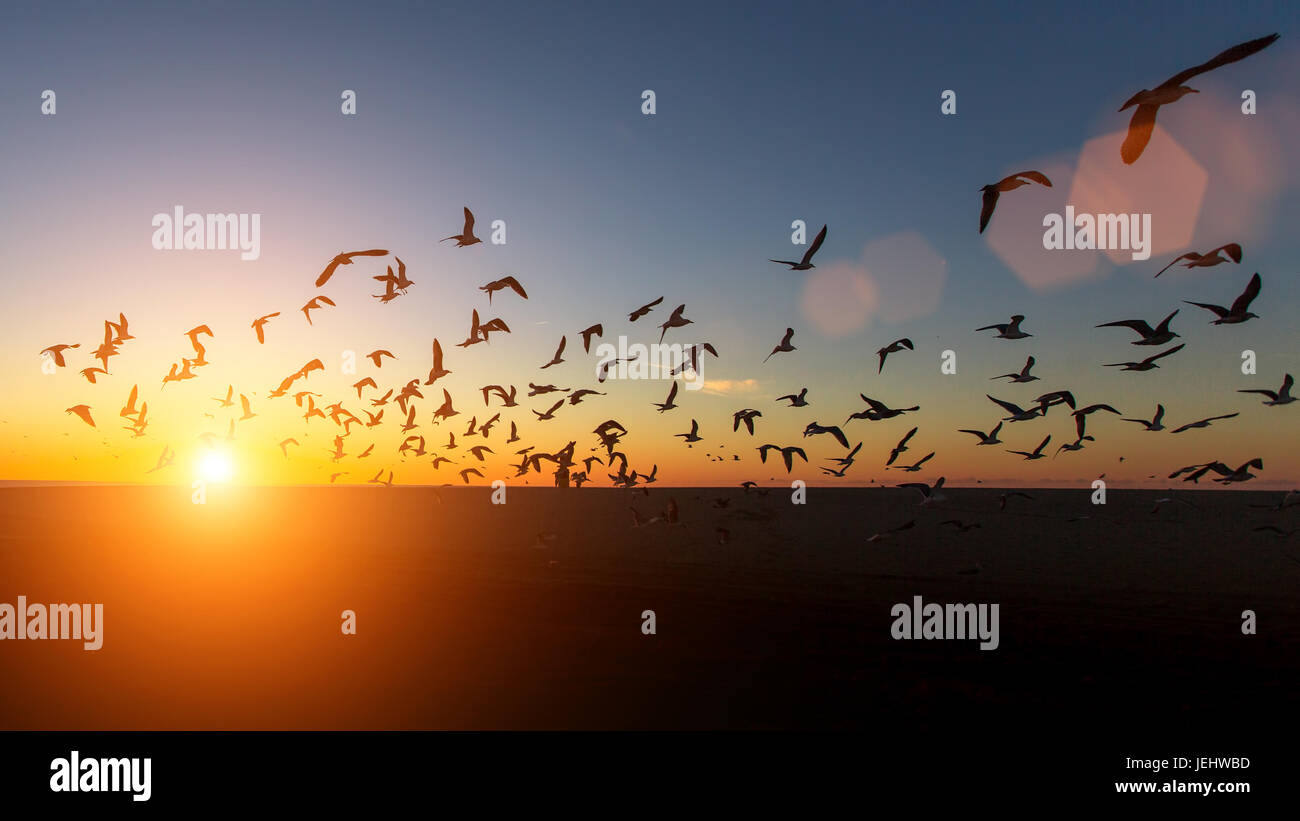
x=1203, y=423
x=1158, y=335
x=504, y=282
x=466, y=237
x=258, y=326
x=1282, y=396
x=785, y=346
x=1146, y=364
x=1238, y=313
x=1023, y=376
x=1010, y=330
x=84, y=412
x=1148, y=101
x=345, y=259
x=806, y=262
x=1207, y=260
x=1156, y=423
x=990, y=438
x=892, y=347
x=994, y=190
x=643, y=310
x=1036, y=453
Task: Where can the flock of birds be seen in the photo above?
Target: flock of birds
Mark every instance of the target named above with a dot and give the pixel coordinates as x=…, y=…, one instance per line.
x=568, y=469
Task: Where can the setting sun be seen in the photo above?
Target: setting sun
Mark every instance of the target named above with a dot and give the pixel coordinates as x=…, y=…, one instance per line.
x=216, y=466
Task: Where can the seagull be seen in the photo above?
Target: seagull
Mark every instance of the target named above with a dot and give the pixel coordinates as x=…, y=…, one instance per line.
x=505, y=282
x=806, y=262
x=377, y=356
x=248, y=414
x=643, y=310
x=559, y=354
x=129, y=409
x=674, y=321
x=796, y=401
x=1206, y=260
x=747, y=416
x=550, y=414
x=84, y=412
x=1018, y=414
x=596, y=330
x=1237, y=313
x=90, y=373
x=1037, y=452
x=814, y=429
x=1010, y=330
x=915, y=468
x=1146, y=364
x=56, y=352
x=438, y=371
x=929, y=493
x=1203, y=423
x=959, y=525
x=693, y=436
x=990, y=438
x=899, y=448
x=261, y=321
x=784, y=347
x=1077, y=444
x=993, y=191
x=1170, y=500
x=667, y=404
x=879, y=410
x=1023, y=376
x=1282, y=396
x=315, y=303
x=847, y=461
x=284, y=446
x=1148, y=101
x=1047, y=400
x=345, y=259
x=1155, y=424
x=466, y=237
x=1158, y=335
x=787, y=454
x=892, y=347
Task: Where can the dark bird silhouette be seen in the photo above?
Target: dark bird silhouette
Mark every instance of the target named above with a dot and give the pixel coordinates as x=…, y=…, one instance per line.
x=892, y=347
x=1146, y=364
x=643, y=310
x=1009, y=330
x=784, y=346
x=1207, y=260
x=1239, y=312
x=806, y=261
x=466, y=236
x=1282, y=396
x=260, y=322
x=505, y=282
x=994, y=190
x=314, y=304
x=1148, y=101
x=1158, y=335
x=1023, y=376
x=345, y=259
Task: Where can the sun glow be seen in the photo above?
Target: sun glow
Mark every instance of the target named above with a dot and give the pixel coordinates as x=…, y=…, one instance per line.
x=216, y=466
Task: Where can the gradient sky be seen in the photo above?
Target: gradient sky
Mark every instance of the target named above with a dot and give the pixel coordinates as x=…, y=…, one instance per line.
x=531, y=113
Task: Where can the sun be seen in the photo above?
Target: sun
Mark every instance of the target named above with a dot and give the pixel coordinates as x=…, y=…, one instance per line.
x=216, y=466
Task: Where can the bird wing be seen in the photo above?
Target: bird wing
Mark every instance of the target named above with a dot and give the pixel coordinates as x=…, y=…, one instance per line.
x=469, y=221
x=1238, y=52
x=1007, y=406
x=1139, y=133
x=1232, y=249
x=1175, y=349
x=1139, y=325
x=1242, y=302
x=1037, y=176
x=816, y=244
x=1217, y=310
x=1188, y=255
x=986, y=211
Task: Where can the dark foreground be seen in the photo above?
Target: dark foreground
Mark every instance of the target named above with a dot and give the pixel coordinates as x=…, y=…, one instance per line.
x=1124, y=625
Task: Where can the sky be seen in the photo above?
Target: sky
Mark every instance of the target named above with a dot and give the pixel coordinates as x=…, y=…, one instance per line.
x=532, y=114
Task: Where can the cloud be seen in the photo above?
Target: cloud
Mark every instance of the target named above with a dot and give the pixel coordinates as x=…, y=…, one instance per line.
x=723, y=387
